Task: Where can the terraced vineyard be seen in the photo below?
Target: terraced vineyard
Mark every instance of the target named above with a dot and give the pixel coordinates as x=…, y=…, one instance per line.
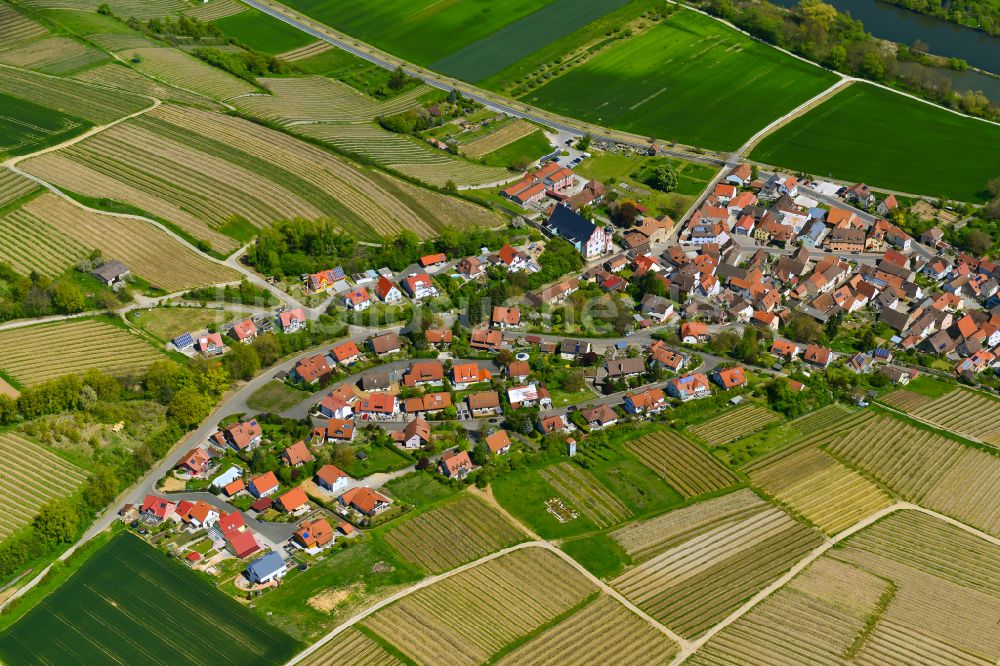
x=199, y=170
x=695, y=584
x=966, y=413
x=321, y=100
x=603, y=632
x=53, y=55
x=179, y=69
x=819, y=488
x=508, y=134
x=45, y=351
x=14, y=186
x=459, y=532
x=351, y=648
x=817, y=437
x=647, y=537
x=142, y=9
x=94, y=104
x=928, y=469
x=216, y=9
x=732, y=425
x=822, y=419
x=117, y=42
x=50, y=234
x=525, y=589
x=586, y=493
x=30, y=476
x=16, y=27
x=681, y=463
x=904, y=400
x=307, y=51
x=116, y=75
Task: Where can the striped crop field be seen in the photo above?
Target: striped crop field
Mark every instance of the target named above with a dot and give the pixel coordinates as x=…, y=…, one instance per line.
x=524, y=589
x=53, y=55
x=94, y=104
x=303, y=52
x=30, y=476
x=846, y=423
x=693, y=585
x=453, y=534
x=142, y=9
x=315, y=99
x=732, y=425
x=927, y=469
x=35, y=354
x=14, y=186
x=351, y=648
x=117, y=75
x=184, y=71
x=199, y=169
x=16, y=27
x=407, y=155
x=967, y=413
x=216, y=9
x=906, y=401
x=603, y=632
x=52, y=234
x=647, y=537
x=506, y=135
x=586, y=493
x=688, y=468
x=822, y=419
x=117, y=42
x=820, y=489
x=812, y=621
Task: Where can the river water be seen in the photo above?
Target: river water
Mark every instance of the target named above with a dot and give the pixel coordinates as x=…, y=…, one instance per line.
x=945, y=39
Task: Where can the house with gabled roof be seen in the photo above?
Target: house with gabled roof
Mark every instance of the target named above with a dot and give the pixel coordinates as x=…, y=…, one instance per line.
x=263, y=485
x=693, y=332
x=365, y=500
x=484, y=339
x=312, y=369
x=785, y=349
x=241, y=436
x=387, y=292
x=456, y=465
x=484, y=403
x=512, y=259
x=504, y=317
x=244, y=331
x=415, y=435
x=265, y=569
x=424, y=373
x=357, y=299
x=419, y=286
x=332, y=478
x=730, y=378
x=430, y=402
x=314, y=535
x=666, y=357
x=498, y=443
x=431, y=260
x=555, y=423
x=335, y=406
x=602, y=416
x=377, y=406
x=156, y=508
x=689, y=387
x=335, y=430
x=194, y=462
x=292, y=501
x=650, y=401
x=346, y=353
x=816, y=355
x=589, y=239
x=292, y=320
x=385, y=344
x=210, y=344
x=529, y=395
x=297, y=454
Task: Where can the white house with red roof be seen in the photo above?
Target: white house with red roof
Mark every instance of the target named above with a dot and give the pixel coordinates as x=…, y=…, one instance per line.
x=730, y=378
x=332, y=478
x=263, y=485
x=239, y=537
x=244, y=331
x=346, y=353
x=513, y=259
x=241, y=436
x=419, y=286
x=387, y=292
x=157, y=508
x=292, y=320
x=357, y=299
x=210, y=344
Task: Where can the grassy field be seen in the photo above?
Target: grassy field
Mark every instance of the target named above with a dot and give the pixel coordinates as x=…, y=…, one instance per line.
x=518, y=153
x=168, y=323
x=95, y=617
x=276, y=397
x=37, y=353
x=262, y=32
x=30, y=477
x=733, y=424
x=868, y=134
x=26, y=127
x=688, y=79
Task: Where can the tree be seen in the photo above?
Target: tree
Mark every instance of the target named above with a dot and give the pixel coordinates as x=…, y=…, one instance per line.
x=342, y=457
x=57, y=522
x=664, y=177
x=978, y=242
x=68, y=297
x=398, y=78
x=242, y=362
x=872, y=66
x=749, y=346
x=480, y=454
x=101, y=488
x=574, y=381
x=624, y=213
x=188, y=407
x=268, y=348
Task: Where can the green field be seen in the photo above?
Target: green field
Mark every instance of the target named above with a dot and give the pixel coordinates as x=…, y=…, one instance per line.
x=689, y=79
x=26, y=127
x=262, y=32
x=889, y=141
x=130, y=604
x=526, y=149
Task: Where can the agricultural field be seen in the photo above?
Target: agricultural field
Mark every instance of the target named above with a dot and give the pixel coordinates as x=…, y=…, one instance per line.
x=820, y=489
x=49, y=234
x=734, y=424
x=698, y=582
x=351, y=648
x=53, y=55
x=94, y=618
x=644, y=538
x=38, y=353
x=13, y=186
x=199, y=170
x=507, y=134
x=309, y=50
x=143, y=9
x=179, y=69
x=816, y=436
x=261, y=32
x=216, y=9
x=958, y=155
x=967, y=413
x=31, y=476
x=682, y=463
x=117, y=42
x=65, y=98
x=16, y=27
x=453, y=534
x=526, y=589
x=117, y=75
x=167, y=323
x=603, y=632
x=927, y=468
x=586, y=494
x=906, y=401
x=520, y=153
x=689, y=79
x=824, y=418
x=26, y=126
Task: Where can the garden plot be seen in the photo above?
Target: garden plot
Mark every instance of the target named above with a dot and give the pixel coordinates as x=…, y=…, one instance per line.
x=965, y=412
x=585, y=493
x=351, y=648
x=184, y=71
x=695, y=584
x=681, y=463
x=525, y=589
x=820, y=489
x=603, y=632
x=822, y=419
x=30, y=476
x=450, y=535
x=644, y=538
x=734, y=424
x=928, y=469
x=34, y=354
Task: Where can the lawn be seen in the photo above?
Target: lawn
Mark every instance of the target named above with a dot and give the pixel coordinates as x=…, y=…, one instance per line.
x=689, y=79
x=521, y=152
x=598, y=553
x=168, y=323
x=262, y=32
x=929, y=386
x=128, y=604
x=419, y=489
x=276, y=397
x=380, y=459
x=889, y=141
x=26, y=126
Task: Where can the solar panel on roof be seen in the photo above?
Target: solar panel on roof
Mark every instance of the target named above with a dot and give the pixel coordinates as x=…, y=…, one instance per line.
x=183, y=341
x=338, y=273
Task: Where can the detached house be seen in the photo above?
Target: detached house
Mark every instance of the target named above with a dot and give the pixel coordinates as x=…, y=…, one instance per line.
x=464, y=375
x=730, y=378
x=387, y=292
x=297, y=454
x=415, y=435
x=513, y=260
x=505, y=317
x=387, y=343
x=484, y=403
x=689, y=387
x=244, y=331
x=455, y=465
x=666, y=357
x=263, y=485
x=419, y=286
x=602, y=416
x=424, y=373
x=210, y=344
x=693, y=332
x=157, y=509
x=346, y=353
x=471, y=268
x=651, y=401
x=357, y=299
x=529, y=395
x=312, y=369
x=365, y=501
x=624, y=368
x=498, y=443
x=293, y=320
x=241, y=436
x=336, y=430
x=332, y=478
x=819, y=356
x=590, y=240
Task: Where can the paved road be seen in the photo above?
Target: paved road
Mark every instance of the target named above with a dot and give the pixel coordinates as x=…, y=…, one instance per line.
x=276, y=533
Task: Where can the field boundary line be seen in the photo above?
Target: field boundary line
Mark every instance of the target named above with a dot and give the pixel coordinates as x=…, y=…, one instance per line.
x=430, y=580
